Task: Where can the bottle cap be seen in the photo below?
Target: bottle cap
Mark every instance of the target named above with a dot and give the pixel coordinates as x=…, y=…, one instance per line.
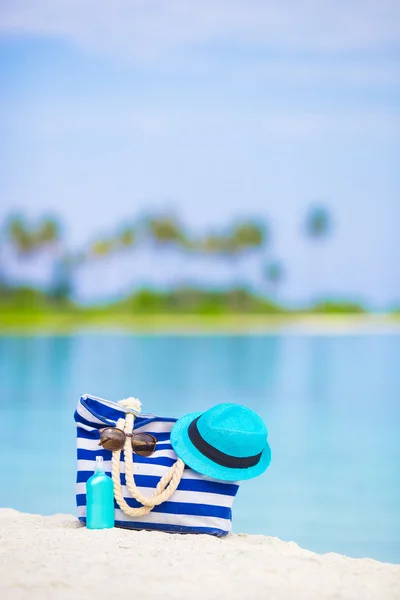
x=99, y=464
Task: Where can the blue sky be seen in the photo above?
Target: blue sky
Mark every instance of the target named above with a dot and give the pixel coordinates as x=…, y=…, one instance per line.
x=217, y=110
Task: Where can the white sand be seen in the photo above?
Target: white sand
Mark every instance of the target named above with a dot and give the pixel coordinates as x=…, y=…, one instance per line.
x=56, y=558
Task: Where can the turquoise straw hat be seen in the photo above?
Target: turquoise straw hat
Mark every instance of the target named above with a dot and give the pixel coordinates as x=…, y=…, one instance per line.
x=227, y=442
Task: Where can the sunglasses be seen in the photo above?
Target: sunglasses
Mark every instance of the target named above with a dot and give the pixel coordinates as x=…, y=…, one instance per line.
x=113, y=438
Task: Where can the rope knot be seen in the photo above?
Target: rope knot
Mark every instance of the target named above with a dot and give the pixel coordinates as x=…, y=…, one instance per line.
x=132, y=403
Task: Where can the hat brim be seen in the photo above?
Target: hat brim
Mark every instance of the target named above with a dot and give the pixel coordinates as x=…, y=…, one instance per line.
x=194, y=459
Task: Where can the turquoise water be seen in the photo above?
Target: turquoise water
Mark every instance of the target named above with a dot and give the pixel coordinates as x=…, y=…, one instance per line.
x=332, y=406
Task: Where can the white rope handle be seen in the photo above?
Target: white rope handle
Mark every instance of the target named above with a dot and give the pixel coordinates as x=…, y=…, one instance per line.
x=165, y=487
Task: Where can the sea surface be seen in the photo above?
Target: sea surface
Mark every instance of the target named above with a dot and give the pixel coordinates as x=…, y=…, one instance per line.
x=331, y=404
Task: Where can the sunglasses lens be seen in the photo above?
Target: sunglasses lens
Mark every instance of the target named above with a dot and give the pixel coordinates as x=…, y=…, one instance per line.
x=143, y=444
x=112, y=438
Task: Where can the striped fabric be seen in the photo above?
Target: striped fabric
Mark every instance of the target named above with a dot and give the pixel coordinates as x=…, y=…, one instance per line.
x=199, y=505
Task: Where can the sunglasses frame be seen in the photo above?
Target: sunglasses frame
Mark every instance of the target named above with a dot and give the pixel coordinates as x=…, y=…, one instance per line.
x=132, y=436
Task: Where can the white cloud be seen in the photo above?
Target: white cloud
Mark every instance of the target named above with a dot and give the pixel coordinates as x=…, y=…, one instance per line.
x=142, y=30
x=302, y=40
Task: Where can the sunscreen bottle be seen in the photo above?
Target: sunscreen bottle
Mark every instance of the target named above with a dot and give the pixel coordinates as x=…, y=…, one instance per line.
x=99, y=499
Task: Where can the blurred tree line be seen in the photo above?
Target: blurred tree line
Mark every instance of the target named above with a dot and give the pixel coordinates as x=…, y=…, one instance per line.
x=164, y=231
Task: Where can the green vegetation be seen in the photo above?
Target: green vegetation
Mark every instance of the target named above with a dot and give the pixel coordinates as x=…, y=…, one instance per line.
x=178, y=301
x=185, y=310
x=28, y=239
x=318, y=223
x=196, y=301
x=162, y=231
x=338, y=308
x=23, y=307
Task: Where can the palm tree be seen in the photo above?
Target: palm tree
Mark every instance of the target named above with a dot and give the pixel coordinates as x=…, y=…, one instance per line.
x=102, y=248
x=274, y=273
x=244, y=237
x=212, y=244
x=247, y=235
x=61, y=285
x=318, y=226
x=19, y=235
x=27, y=240
x=126, y=237
x=166, y=231
x=318, y=223
x=48, y=233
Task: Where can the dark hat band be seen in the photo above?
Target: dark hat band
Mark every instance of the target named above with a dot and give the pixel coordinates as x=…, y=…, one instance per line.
x=225, y=460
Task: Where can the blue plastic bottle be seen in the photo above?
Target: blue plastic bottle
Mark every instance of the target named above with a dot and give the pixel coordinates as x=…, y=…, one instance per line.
x=99, y=499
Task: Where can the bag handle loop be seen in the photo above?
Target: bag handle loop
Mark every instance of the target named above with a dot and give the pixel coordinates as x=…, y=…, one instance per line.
x=165, y=487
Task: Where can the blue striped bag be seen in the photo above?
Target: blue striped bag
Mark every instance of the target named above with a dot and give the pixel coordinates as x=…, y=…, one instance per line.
x=198, y=505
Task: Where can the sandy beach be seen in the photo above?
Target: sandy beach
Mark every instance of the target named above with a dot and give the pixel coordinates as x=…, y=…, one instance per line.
x=57, y=558
x=184, y=325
